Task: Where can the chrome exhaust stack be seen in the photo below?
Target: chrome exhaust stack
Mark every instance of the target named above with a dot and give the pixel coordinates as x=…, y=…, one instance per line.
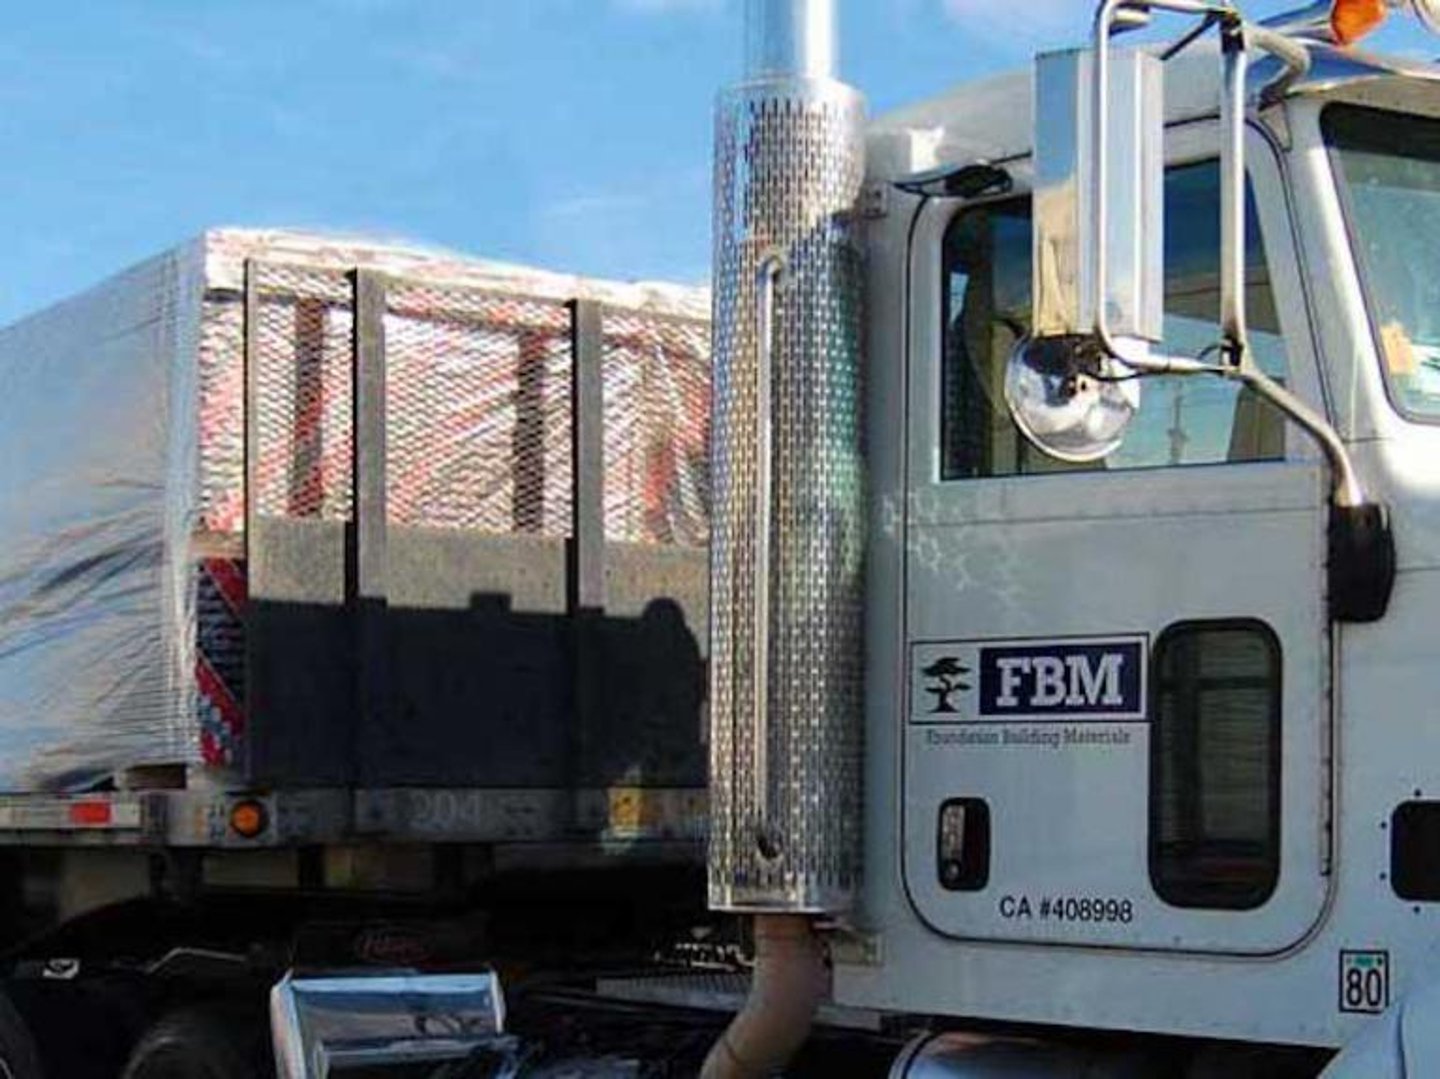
x=787, y=541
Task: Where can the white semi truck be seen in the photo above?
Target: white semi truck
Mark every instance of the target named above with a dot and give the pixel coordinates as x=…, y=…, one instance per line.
x=1070, y=506
x=1148, y=390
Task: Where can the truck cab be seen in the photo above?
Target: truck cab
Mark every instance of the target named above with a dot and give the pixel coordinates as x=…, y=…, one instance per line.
x=1126, y=768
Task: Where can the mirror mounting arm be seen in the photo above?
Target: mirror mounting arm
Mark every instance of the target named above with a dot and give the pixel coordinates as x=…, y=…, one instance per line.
x=1293, y=54
x=1238, y=365
x=1346, y=490
x=1112, y=17
x=1360, y=546
x=1234, y=328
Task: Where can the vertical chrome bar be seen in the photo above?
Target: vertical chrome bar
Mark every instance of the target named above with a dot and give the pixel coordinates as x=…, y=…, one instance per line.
x=767, y=278
x=1232, y=190
x=1100, y=198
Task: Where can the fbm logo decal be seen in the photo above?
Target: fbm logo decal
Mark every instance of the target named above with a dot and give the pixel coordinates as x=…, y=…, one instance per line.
x=1095, y=679
x=1100, y=678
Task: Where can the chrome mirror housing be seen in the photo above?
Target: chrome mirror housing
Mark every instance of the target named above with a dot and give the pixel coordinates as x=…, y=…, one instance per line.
x=1099, y=237
x=1098, y=255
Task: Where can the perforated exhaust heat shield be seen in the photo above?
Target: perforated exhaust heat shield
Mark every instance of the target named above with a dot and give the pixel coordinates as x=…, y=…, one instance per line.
x=787, y=538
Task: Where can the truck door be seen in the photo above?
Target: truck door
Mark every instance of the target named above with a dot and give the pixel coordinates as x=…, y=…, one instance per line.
x=1117, y=711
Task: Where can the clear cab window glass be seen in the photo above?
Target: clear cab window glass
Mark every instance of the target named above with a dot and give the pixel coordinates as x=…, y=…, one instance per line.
x=1388, y=165
x=1182, y=421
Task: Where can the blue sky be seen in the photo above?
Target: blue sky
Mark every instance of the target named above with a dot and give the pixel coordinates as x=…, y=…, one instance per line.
x=573, y=134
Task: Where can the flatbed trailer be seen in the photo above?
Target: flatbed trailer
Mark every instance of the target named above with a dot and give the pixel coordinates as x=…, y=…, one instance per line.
x=406, y=682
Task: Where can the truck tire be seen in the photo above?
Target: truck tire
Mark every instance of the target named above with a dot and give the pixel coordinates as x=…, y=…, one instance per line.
x=19, y=1058
x=202, y=1043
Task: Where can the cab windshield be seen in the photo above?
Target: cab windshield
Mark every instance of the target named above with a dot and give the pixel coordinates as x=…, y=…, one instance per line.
x=1389, y=170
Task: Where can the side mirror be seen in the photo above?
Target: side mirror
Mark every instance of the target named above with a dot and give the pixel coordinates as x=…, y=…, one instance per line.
x=1099, y=279
x=1098, y=248
x=1099, y=209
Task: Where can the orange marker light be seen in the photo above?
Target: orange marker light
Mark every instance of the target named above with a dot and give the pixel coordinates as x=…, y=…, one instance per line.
x=1350, y=20
x=248, y=818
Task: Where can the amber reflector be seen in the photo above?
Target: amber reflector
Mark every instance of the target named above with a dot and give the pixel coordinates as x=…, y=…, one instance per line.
x=1350, y=20
x=248, y=819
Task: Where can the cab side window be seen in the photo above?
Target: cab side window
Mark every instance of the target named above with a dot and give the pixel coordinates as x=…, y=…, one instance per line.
x=1215, y=765
x=1182, y=421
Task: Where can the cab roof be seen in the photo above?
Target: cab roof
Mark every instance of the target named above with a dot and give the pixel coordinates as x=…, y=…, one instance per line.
x=991, y=119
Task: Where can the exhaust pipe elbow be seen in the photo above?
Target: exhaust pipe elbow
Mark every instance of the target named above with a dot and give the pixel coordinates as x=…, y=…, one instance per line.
x=789, y=982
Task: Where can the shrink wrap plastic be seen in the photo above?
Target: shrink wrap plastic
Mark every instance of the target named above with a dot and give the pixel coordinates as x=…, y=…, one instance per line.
x=122, y=464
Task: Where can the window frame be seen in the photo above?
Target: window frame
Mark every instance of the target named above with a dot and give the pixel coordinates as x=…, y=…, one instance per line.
x=1014, y=198
x=1274, y=837
x=1363, y=273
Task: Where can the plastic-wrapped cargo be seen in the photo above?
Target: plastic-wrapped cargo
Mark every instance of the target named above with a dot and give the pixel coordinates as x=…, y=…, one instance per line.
x=140, y=625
